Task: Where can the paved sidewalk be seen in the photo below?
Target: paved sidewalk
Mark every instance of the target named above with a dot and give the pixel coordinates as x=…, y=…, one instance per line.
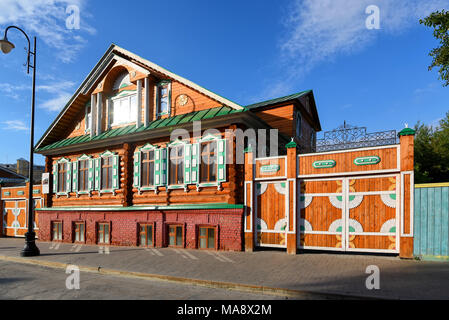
x=313, y=272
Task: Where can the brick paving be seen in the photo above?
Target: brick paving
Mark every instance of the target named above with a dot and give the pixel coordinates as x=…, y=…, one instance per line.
x=311, y=271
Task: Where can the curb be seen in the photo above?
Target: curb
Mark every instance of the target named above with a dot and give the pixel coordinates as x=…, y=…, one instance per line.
x=257, y=289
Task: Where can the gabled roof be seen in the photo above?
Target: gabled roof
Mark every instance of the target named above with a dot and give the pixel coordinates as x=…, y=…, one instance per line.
x=74, y=106
x=278, y=100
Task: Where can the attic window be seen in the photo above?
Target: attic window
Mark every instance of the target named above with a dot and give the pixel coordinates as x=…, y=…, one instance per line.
x=124, y=110
x=163, y=98
x=122, y=81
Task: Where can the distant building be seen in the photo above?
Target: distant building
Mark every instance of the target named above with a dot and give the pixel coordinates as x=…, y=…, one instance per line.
x=21, y=168
x=9, y=178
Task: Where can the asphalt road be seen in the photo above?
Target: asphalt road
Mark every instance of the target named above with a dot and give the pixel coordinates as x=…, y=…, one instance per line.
x=28, y=282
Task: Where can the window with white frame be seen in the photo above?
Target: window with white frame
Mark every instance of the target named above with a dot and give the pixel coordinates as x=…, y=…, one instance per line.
x=208, y=165
x=62, y=177
x=163, y=98
x=123, y=109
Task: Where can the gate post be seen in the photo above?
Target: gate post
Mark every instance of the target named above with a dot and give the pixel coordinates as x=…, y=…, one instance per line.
x=406, y=137
x=249, y=200
x=291, y=181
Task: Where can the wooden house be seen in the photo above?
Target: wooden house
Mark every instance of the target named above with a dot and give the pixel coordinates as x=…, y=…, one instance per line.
x=118, y=177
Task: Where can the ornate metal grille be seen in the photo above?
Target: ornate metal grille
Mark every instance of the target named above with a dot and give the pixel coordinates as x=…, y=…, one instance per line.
x=351, y=137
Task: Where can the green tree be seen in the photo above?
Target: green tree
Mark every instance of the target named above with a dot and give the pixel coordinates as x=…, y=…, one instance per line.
x=432, y=152
x=440, y=22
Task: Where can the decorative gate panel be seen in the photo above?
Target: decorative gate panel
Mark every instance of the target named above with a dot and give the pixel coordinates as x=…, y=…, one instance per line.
x=350, y=214
x=374, y=219
x=321, y=214
x=271, y=220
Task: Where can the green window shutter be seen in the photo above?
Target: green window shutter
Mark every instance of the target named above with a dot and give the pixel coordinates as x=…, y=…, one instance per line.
x=221, y=145
x=195, y=163
x=187, y=163
x=157, y=167
x=115, y=172
x=137, y=166
x=69, y=177
x=164, y=165
x=97, y=174
x=91, y=173
x=75, y=176
x=55, y=178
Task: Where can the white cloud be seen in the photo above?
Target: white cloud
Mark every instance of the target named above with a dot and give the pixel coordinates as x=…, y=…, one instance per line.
x=318, y=31
x=60, y=92
x=56, y=104
x=16, y=125
x=47, y=20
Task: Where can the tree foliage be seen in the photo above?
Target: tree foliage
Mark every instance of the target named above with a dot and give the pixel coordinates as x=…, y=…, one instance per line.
x=432, y=152
x=440, y=22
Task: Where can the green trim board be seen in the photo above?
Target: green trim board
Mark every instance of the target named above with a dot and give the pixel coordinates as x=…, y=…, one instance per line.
x=204, y=206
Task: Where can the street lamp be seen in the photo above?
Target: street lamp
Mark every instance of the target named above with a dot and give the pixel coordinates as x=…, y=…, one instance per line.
x=30, y=249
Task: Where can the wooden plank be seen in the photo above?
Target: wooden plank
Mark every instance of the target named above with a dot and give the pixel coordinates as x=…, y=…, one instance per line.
x=424, y=213
x=431, y=221
x=438, y=225
x=445, y=221
x=417, y=225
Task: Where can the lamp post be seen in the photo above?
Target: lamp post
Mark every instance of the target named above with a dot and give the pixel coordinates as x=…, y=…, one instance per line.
x=30, y=249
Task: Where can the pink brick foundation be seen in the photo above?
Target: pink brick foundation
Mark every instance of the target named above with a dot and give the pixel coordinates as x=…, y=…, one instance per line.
x=124, y=226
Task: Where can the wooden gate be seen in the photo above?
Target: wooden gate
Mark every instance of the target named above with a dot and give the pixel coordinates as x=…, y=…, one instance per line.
x=350, y=214
x=14, y=205
x=271, y=218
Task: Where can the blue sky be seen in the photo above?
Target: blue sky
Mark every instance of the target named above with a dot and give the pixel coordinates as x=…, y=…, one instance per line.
x=247, y=51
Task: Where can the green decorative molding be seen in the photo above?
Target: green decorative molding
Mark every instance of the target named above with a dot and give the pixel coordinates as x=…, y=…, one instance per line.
x=324, y=164
x=21, y=193
x=249, y=149
x=291, y=144
x=36, y=191
x=273, y=168
x=6, y=193
x=364, y=161
x=407, y=132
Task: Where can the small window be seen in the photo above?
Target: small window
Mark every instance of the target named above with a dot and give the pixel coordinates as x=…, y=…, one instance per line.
x=88, y=117
x=148, y=168
x=62, y=177
x=83, y=175
x=298, y=124
x=313, y=139
x=175, y=236
x=176, y=172
x=206, y=239
x=106, y=173
x=80, y=232
x=57, y=231
x=103, y=233
x=209, y=163
x=146, y=235
x=163, y=94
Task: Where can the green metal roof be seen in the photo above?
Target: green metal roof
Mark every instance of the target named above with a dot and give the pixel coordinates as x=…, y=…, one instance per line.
x=160, y=123
x=277, y=100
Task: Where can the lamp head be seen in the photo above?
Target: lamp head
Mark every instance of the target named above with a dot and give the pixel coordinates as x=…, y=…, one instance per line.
x=6, y=46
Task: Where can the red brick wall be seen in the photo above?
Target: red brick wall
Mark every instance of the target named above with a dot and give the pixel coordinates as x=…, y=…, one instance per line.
x=124, y=226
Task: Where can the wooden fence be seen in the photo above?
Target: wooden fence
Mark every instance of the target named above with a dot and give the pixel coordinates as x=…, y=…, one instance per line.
x=432, y=221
